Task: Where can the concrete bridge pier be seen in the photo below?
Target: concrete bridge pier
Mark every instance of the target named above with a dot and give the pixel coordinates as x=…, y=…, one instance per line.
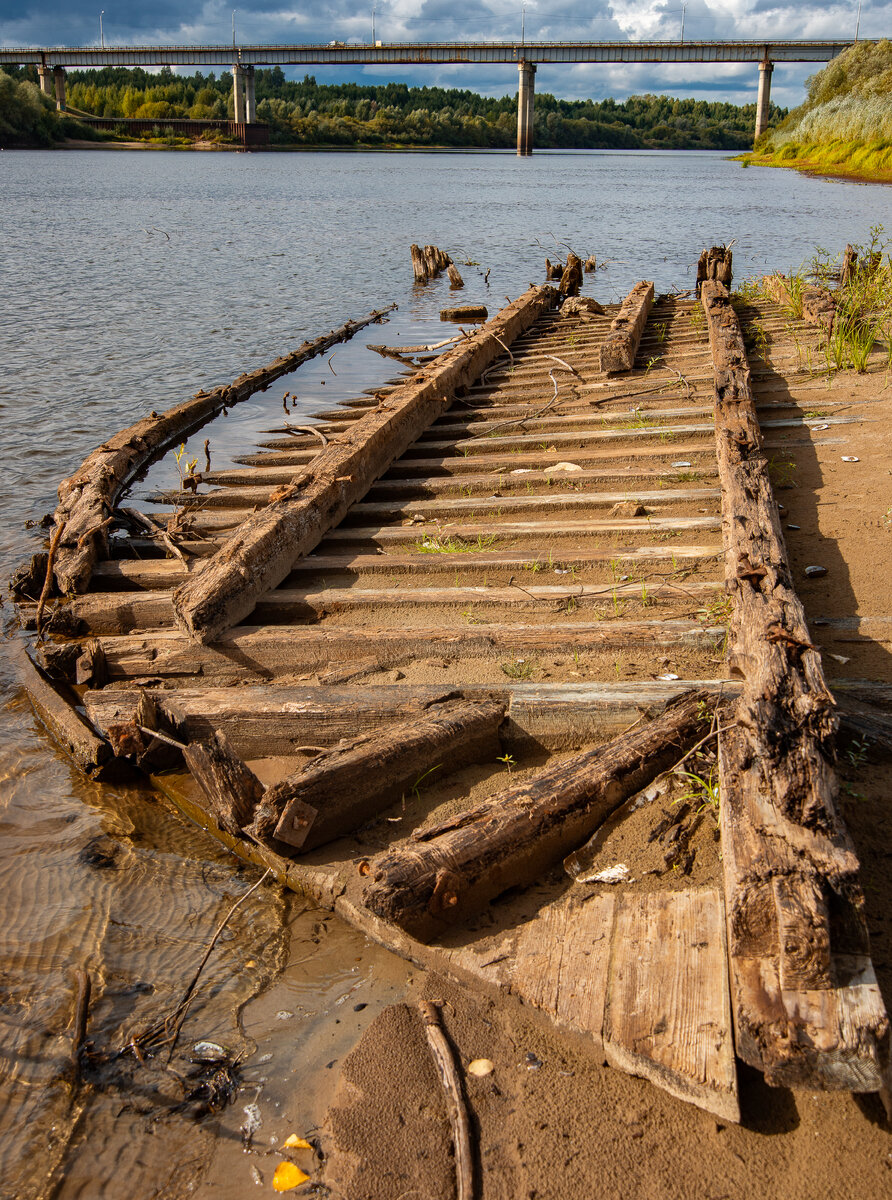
x=238, y=93
x=763, y=102
x=525, y=96
x=45, y=80
x=250, y=101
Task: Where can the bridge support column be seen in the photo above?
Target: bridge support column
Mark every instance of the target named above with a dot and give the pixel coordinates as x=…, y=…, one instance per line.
x=59, y=82
x=525, y=95
x=238, y=94
x=45, y=79
x=250, y=101
x=763, y=103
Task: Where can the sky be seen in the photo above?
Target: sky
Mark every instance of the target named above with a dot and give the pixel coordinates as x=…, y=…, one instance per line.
x=209, y=22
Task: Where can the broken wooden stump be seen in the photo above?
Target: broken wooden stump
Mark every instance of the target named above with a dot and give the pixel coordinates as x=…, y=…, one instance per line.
x=619, y=350
x=419, y=263
x=590, y=264
x=455, y=279
x=553, y=270
x=807, y=1008
x=226, y=586
x=849, y=266
x=571, y=279
x=715, y=264
x=347, y=786
x=454, y=868
x=231, y=788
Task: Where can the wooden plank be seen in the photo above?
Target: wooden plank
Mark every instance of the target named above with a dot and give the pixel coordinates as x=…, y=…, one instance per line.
x=249, y=652
x=117, y=613
x=561, y=963
x=154, y=574
x=226, y=587
x=619, y=350
x=273, y=719
x=667, y=1013
x=794, y=904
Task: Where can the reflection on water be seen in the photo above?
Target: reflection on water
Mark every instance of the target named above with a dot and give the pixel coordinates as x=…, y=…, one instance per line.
x=136, y=279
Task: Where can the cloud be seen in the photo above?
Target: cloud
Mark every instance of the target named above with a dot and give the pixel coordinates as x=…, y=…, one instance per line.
x=209, y=22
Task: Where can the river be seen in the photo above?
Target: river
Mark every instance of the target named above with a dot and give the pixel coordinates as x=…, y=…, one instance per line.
x=131, y=280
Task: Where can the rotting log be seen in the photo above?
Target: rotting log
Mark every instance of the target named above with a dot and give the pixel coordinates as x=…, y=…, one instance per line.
x=349, y=785
x=619, y=350
x=225, y=587
x=553, y=270
x=231, y=788
x=87, y=498
x=452, y=869
x=465, y=312
x=455, y=279
x=807, y=1008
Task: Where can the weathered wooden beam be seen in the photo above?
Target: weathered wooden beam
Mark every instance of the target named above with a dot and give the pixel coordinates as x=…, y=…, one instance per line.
x=231, y=788
x=349, y=785
x=618, y=352
x=89, y=752
x=86, y=499
x=257, y=558
x=807, y=1009
x=452, y=869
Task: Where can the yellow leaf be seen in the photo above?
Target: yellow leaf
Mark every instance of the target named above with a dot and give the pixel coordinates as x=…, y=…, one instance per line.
x=288, y=1176
x=298, y=1143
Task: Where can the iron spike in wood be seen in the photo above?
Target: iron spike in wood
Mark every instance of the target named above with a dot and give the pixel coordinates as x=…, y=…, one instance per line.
x=619, y=350
x=226, y=587
x=808, y=1011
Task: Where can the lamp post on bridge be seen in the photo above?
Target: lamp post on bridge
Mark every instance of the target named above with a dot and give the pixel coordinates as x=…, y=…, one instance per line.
x=101, y=34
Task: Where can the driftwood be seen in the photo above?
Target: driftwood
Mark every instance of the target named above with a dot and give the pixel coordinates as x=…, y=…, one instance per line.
x=225, y=587
x=349, y=785
x=87, y=499
x=581, y=306
x=231, y=788
x=619, y=350
x=455, y=1100
x=807, y=1008
x=454, y=868
x=571, y=279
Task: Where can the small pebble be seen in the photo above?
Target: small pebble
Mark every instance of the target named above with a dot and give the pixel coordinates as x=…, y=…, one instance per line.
x=815, y=572
x=850, y=458
x=791, y=526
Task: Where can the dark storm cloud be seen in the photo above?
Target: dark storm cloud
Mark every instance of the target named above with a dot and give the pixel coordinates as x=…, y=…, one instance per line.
x=193, y=22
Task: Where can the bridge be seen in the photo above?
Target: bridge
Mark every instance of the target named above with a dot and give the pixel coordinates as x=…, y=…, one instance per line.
x=51, y=62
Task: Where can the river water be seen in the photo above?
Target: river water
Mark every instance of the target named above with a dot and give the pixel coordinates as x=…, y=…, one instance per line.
x=131, y=280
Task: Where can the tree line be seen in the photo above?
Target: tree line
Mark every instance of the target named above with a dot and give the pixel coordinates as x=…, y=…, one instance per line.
x=307, y=113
